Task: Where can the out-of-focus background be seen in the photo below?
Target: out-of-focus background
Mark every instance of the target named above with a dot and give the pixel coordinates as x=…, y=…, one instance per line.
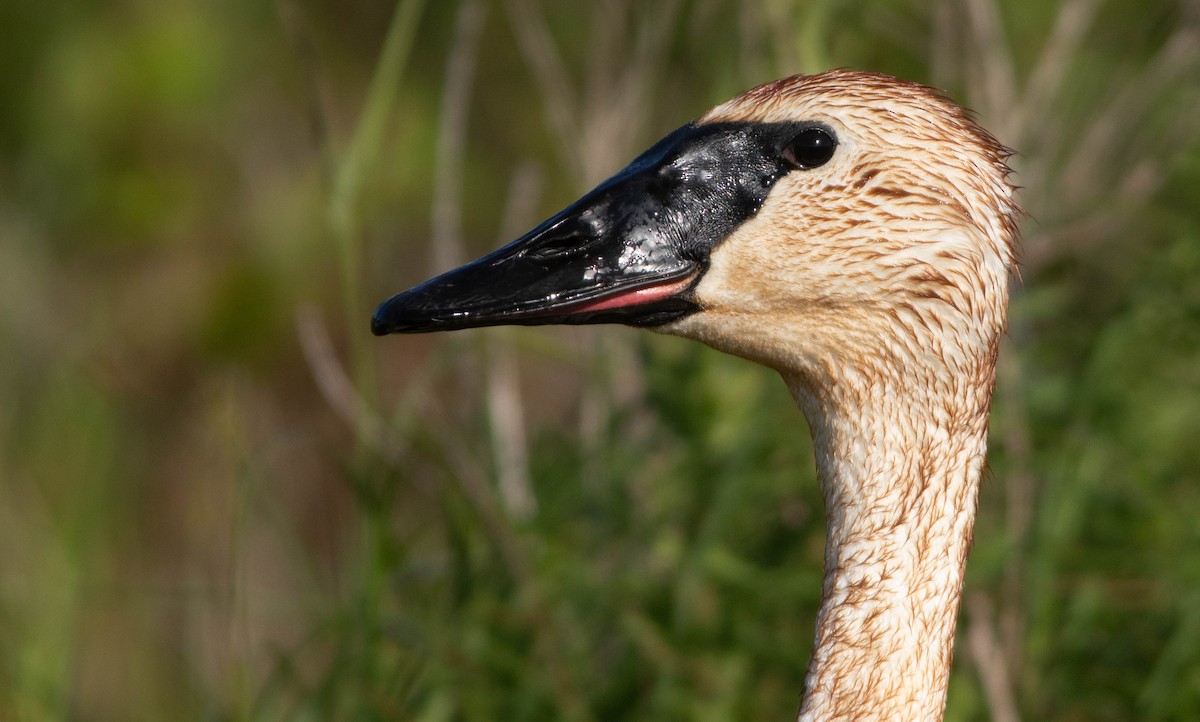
x=221, y=498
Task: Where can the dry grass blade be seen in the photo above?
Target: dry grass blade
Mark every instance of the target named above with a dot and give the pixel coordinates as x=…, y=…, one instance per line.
x=993, y=64
x=988, y=657
x=451, y=139
x=506, y=410
x=550, y=73
x=1177, y=58
x=1070, y=28
x=620, y=80
x=507, y=415
x=1021, y=487
x=547, y=635
x=339, y=391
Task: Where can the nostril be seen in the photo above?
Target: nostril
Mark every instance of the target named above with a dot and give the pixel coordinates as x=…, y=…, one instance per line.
x=560, y=246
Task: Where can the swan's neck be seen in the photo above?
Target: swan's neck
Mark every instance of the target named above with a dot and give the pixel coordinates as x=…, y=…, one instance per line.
x=899, y=469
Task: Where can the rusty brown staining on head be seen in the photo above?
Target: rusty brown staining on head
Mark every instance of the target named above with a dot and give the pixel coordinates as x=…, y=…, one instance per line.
x=927, y=111
x=930, y=274
x=889, y=192
x=864, y=177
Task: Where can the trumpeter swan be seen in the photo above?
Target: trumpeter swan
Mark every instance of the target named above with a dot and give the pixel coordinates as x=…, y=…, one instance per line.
x=856, y=233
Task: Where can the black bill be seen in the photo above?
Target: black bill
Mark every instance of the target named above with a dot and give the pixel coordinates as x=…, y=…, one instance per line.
x=630, y=251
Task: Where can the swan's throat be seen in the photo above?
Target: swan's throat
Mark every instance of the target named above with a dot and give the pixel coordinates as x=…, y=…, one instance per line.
x=900, y=473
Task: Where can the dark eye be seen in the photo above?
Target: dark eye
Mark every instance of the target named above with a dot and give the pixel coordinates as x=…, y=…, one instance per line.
x=813, y=147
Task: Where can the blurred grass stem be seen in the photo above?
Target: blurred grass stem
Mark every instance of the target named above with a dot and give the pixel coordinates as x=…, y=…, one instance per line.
x=350, y=170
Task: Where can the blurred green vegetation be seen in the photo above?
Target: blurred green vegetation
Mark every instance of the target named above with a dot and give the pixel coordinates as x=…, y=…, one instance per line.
x=221, y=499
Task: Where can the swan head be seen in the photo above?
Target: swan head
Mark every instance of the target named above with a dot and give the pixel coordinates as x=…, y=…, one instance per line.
x=810, y=224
